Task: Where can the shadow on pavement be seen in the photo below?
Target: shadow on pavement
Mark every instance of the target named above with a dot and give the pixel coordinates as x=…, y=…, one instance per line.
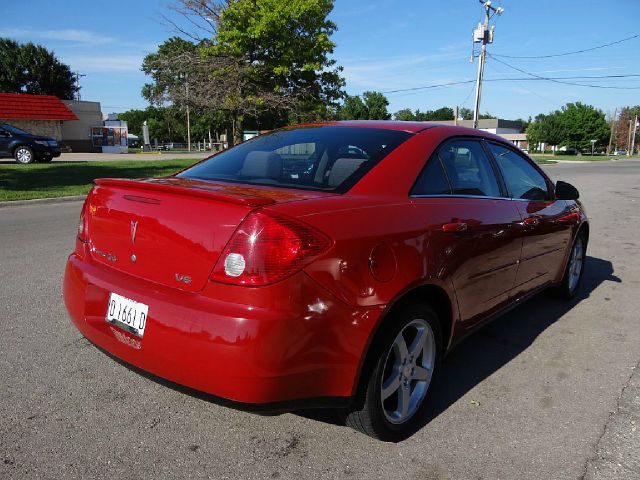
x=496, y=344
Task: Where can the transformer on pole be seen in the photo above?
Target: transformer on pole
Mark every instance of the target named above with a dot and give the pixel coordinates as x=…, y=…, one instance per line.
x=483, y=34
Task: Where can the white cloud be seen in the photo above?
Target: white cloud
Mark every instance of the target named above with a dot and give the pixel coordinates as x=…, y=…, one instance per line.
x=107, y=64
x=586, y=69
x=64, y=35
x=390, y=73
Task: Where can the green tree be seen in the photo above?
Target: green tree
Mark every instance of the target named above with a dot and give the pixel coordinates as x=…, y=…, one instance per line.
x=623, y=123
x=261, y=56
x=443, y=113
x=376, y=104
x=30, y=68
x=465, y=113
x=406, y=114
x=584, y=123
x=166, y=67
x=169, y=124
x=369, y=106
x=353, y=108
x=574, y=125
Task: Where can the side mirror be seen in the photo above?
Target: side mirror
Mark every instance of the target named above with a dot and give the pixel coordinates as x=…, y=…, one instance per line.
x=566, y=191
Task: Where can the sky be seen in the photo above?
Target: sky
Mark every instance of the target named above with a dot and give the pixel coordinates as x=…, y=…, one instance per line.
x=383, y=45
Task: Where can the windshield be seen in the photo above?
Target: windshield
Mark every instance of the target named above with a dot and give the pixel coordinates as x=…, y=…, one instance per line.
x=327, y=158
x=12, y=129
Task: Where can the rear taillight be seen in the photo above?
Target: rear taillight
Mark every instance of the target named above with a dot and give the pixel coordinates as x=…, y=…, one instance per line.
x=82, y=223
x=267, y=248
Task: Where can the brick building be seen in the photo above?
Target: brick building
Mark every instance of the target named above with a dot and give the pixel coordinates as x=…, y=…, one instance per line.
x=36, y=114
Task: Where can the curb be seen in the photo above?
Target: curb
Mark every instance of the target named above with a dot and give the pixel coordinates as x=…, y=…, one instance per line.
x=41, y=201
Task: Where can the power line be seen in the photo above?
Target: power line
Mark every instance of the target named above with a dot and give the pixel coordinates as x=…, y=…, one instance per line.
x=551, y=79
x=519, y=85
x=425, y=87
x=533, y=77
x=570, y=53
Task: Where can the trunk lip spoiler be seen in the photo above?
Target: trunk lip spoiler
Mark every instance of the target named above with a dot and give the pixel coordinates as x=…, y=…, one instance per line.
x=198, y=190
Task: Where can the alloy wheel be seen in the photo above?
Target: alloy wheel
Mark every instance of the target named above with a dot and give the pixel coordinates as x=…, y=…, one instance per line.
x=24, y=155
x=408, y=371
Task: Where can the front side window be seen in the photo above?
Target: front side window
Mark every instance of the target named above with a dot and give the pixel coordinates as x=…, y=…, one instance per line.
x=522, y=179
x=328, y=158
x=468, y=168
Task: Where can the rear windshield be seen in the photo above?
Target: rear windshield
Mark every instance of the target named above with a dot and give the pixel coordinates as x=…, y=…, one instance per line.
x=327, y=158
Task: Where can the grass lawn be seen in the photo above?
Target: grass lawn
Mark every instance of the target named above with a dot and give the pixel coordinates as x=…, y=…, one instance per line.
x=571, y=158
x=543, y=161
x=59, y=179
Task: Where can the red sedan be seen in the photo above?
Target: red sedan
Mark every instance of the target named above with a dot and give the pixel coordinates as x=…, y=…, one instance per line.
x=326, y=265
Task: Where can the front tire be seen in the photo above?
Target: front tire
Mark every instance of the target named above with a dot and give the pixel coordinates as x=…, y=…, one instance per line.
x=393, y=392
x=24, y=155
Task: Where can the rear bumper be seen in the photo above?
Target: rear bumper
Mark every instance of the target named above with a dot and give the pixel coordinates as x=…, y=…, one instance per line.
x=289, y=343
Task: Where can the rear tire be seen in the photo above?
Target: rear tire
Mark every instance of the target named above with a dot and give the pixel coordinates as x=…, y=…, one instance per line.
x=575, y=268
x=24, y=155
x=396, y=383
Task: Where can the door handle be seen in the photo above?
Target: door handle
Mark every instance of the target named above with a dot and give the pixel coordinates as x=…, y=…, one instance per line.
x=454, y=227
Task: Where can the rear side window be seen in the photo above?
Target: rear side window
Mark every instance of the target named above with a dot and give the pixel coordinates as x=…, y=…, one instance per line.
x=328, y=158
x=468, y=168
x=432, y=180
x=522, y=179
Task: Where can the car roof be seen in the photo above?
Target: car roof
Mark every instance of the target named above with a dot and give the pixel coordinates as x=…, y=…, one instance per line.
x=412, y=127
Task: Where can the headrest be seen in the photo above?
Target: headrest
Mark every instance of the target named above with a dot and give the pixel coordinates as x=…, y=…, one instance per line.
x=260, y=164
x=342, y=169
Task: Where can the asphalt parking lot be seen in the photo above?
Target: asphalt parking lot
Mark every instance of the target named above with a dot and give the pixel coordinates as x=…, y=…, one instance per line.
x=547, y=392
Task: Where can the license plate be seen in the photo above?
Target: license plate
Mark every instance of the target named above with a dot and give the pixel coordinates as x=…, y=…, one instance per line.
x=127, y=314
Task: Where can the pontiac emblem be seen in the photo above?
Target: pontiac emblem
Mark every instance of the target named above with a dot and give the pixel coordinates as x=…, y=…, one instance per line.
x=134, y=229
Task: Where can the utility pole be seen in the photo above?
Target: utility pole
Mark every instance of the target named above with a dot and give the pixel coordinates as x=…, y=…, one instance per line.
x=612, y=129
x=186, y=88
x=629, y=146
x=633, y=137
x=78, y=75
x=483, y=34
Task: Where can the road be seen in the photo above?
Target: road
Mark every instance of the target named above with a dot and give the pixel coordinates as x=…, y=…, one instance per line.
x=547, y=392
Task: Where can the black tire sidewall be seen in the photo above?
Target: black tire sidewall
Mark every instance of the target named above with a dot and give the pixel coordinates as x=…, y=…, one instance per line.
x=564, y=287
x=385, y=429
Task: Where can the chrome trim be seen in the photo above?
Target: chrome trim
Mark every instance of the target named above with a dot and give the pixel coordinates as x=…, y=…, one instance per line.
x=134, y=229
x=109, y=256
x=481, y=196
x=461, y=196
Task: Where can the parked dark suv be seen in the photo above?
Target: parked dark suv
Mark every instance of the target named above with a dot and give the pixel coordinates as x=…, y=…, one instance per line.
x=26, y=148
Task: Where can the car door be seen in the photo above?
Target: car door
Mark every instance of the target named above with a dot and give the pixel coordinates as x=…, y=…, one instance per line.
x=546, y=234
x=473, y=231
x=5, y=138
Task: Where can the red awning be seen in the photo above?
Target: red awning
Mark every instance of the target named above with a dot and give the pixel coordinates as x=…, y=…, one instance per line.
x=40, y=107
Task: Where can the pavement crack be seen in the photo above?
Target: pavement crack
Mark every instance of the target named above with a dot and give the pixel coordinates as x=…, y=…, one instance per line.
x=596, y=447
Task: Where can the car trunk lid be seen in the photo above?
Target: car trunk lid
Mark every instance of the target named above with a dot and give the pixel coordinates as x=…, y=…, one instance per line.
x=170, y=231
